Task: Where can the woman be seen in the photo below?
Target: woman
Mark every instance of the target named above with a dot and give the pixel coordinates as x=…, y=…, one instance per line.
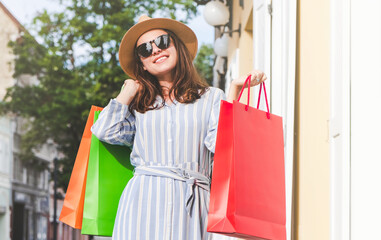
x=169, y=116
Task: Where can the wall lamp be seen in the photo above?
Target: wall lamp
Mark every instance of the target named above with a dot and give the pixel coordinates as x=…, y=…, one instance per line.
x=218, y=14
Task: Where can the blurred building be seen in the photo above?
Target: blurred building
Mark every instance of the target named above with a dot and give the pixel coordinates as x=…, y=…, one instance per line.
x=30, y=192
x=6, y=160
x=10, y=29
x=24, y=194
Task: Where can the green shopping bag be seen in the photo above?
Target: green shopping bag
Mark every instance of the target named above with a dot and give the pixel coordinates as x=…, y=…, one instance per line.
x=108, y=172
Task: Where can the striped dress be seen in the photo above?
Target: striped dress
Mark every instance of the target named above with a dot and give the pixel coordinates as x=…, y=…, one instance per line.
x=168, y=197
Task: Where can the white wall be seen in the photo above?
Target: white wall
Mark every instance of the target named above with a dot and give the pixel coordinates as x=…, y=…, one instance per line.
x=6, y=160
x=365, y=119
x=355, y=120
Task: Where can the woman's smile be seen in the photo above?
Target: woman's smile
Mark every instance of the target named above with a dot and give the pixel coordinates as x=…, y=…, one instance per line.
x=161, y=59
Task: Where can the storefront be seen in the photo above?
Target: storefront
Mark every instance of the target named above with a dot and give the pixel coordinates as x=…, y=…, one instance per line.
x=322, y=59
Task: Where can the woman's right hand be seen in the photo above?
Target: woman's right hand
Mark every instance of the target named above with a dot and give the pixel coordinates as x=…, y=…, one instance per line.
x=128, y=92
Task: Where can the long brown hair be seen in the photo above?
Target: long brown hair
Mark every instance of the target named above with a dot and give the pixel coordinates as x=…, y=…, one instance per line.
x=187, y=87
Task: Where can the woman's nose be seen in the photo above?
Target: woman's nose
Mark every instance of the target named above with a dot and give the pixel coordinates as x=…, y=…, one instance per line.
x=155, y=49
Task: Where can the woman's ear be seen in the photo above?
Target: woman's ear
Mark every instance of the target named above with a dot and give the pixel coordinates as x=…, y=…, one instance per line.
x=145, y=69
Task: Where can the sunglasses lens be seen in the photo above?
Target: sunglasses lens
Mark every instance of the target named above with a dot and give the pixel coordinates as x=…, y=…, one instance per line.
x=145, y=49
x=162, y=42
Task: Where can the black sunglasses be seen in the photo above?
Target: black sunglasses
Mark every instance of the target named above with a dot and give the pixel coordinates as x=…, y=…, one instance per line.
x=145, y=49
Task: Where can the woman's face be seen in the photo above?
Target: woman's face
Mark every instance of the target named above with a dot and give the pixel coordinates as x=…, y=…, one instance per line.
x=160, y=62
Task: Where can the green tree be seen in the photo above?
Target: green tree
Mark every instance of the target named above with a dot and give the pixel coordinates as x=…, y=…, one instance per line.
x=73, y=54
x=204, y=62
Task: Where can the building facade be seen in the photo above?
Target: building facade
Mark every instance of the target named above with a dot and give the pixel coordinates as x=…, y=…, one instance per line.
x=30, y=193
x=9, y=29
x=6, y=160
x=322, y=59
x=24, y=190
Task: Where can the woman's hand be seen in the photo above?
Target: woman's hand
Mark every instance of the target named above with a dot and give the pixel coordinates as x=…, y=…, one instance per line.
x=257, y=77
x=128, y=92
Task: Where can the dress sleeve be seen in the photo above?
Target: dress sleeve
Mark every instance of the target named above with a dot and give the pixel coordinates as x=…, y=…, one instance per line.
x=115, y=124
x=210, y=139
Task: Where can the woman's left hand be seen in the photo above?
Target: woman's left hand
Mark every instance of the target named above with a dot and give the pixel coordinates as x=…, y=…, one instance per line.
x=257, y=77
x=237, y=84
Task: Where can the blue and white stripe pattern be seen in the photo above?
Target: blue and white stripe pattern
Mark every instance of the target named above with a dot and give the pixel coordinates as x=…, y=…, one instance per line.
x=176, y=136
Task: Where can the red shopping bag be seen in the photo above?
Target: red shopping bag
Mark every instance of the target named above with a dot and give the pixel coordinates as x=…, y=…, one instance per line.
x=247, y=198
x=72, y=208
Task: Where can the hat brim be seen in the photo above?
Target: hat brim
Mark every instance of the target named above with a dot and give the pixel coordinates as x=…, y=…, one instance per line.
x=127, y=45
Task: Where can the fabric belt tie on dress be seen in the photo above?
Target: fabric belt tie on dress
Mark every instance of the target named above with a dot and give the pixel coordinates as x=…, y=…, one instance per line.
x=192, y=179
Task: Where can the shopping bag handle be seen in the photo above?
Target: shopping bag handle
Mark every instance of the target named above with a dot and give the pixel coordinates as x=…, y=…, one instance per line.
x=259, y=96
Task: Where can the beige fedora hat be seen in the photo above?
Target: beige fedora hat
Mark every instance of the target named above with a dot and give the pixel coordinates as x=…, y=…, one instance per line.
x=145, y=23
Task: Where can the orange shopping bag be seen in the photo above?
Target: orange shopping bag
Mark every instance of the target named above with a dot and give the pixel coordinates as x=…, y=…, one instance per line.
x=72, y=209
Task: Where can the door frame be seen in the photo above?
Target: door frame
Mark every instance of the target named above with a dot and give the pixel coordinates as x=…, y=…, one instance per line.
x=340, y=105
x=281, y=83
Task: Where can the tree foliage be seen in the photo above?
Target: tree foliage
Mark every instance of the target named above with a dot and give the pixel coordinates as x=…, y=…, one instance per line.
x=73, y=54
x=204, y=62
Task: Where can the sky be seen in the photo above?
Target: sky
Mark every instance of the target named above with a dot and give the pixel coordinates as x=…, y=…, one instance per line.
x=25, y=10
